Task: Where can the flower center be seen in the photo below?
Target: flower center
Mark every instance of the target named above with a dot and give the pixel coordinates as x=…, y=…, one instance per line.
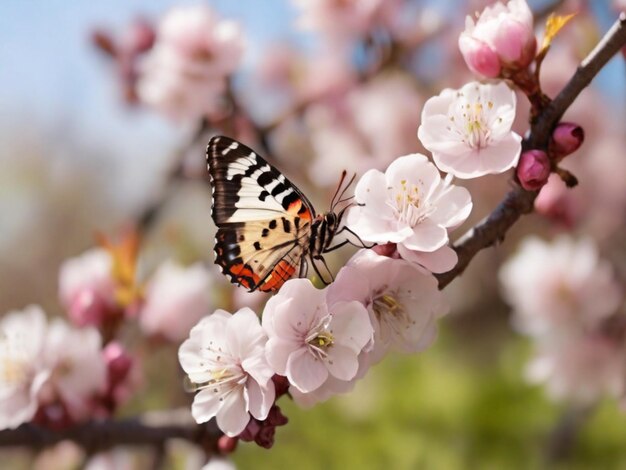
x=472, y=121
x=407, y=204
x=13, y=371
x=392, y=313
x=320, y=339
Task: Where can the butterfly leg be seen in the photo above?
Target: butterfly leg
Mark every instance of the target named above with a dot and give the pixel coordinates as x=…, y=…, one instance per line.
x=317, y=271
x=363, y=245
x=304, y=268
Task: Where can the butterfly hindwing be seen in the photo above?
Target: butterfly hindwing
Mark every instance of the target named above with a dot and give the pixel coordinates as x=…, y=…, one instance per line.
x=263, y=220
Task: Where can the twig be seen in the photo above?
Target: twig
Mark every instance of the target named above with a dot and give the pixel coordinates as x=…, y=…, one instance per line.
x=519, y=201
x=102, y=435
x=562, y=438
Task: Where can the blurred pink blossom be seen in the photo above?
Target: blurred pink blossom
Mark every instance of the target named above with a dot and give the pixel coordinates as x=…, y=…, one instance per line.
x=403, y=301
x=581, y=369
x=310, y=340
x=219, y=463
x=224, y=358
x=469, y=132
x=184, y=75
x=22, y=368
x=78, y=370
x=557, y=202
x=560, y=287
x=343, y=19
x=368, y=127
x=176, y=298
x=87, y=288
x=410, y=205
x=502, y=36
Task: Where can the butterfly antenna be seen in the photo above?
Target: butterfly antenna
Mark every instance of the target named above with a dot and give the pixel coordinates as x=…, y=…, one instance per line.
x=344, y=173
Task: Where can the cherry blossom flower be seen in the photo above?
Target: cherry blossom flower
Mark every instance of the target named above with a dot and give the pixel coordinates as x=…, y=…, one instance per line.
x=410, y=205
x=22, y=372
x=310, y=340
x=78, y=368
x=224, y=358
x=177, y=298
x=184, y=74
x=87, y=288
x=559, y=287
x=403, y=301
x=502, y=37
x=469, y=132
x=581, y=368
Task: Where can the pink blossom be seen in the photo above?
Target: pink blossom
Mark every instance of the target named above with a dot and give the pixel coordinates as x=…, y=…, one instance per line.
x=78, y=369
x=556, y=202
x=559, y=287
x=87, y=288
x=410, y=205
x=533, y=169
x=502, y=36
x=347, y=126
x=177, y=298
x=22, y=370
x=219, y=463
x=224, y=358
x=581, y=369
x=469, y=132
x=310, y=340
x=403, y=301
x=184, y=74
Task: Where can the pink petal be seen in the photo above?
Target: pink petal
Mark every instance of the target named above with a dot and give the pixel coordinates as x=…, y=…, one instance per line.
x=278, y=350
x=205, y=405
x=427, y=236
x=342, y=362
x=260, y=399
x=453, y=207
x=233, y=416
x=350, y=325
x=371, y=191
x=439, y=261
x=305, y=372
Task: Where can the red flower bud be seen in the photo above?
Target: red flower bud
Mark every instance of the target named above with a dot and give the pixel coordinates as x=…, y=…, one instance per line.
x=226, y=444
x=567, y=137
x=118, y=362
x=533, y=169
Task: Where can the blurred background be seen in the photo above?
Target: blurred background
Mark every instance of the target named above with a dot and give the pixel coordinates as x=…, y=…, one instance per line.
x=79, y=155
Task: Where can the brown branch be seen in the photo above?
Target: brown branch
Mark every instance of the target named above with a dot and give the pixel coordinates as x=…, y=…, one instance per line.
x=102, y=435
x=519, y=201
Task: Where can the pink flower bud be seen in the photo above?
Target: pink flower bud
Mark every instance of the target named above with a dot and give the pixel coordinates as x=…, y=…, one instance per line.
x=227, y=445
x=139, y=37
x=533, y=169
x=390, y=250
x=567, y=137
x=118, y=362
x=502, y=37
x=479, y=57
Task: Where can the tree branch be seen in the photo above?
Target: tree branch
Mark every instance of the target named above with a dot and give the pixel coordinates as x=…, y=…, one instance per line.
x=519, y=201
x=102, y=435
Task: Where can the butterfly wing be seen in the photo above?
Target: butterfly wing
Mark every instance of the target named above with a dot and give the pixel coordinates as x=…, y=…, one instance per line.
x=263, y=220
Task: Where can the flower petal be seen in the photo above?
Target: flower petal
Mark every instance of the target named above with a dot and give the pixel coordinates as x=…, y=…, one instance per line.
x=305, y=372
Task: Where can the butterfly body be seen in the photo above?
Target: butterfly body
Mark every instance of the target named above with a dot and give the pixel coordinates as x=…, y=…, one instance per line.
x=266, y=226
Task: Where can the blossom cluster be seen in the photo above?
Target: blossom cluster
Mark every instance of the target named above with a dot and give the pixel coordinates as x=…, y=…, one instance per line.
x=321, y=340
x=569, y=301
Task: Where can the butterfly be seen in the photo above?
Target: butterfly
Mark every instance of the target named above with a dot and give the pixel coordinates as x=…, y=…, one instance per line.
x=266, y=227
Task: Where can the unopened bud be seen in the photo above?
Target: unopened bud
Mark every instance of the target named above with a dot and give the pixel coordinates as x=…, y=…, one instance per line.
x=139, y=37
x=533, y=169
x=567, y=137
x=118, y=362
x=226, y=444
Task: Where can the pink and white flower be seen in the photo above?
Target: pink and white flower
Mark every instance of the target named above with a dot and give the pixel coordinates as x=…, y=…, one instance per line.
x=581, y=369
x=184, y=74
x=177, y=297
x=87, y=288
x=224, y=358
x=22, y=371
x=78, y=369
x=560, y=287
x=310, y=340
x=502, y=37
x=410, y=205
x=403, y=301
x=469, y=132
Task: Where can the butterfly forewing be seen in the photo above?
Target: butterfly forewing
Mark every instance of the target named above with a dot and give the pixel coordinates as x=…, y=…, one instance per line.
x=263, y=220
